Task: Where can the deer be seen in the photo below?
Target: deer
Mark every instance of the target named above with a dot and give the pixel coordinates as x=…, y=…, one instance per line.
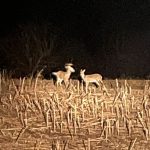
x=64, y=76
x=92, y=78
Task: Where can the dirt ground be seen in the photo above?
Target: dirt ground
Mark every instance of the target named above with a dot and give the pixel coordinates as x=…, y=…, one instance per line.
x=37, y=115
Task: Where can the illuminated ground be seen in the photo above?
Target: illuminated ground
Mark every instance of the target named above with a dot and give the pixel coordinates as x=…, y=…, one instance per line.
x=40, y=116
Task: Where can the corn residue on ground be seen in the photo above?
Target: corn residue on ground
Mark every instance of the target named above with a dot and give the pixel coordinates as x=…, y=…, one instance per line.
x=35, y=114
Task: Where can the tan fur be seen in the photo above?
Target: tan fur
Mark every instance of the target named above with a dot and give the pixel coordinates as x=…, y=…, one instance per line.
x=92, y=78
x=63, y=76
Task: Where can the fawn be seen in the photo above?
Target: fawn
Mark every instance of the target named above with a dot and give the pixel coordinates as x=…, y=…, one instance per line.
x=64, y=76
x=92, y=78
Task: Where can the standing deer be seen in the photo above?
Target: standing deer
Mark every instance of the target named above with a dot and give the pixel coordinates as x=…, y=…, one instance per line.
x=92, y=78
x=64, y=76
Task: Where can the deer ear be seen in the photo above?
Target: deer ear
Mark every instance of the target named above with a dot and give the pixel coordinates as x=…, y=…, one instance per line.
x=84, y=70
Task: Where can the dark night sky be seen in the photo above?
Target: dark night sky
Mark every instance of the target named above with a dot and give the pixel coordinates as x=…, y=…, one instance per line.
x=127, y=13
x=93, y=21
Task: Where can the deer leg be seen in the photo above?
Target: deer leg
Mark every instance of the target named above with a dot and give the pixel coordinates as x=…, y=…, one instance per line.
x=86, y=87
x=58, y=82
x=97, y=83
x=66, y=83
x=102, y=84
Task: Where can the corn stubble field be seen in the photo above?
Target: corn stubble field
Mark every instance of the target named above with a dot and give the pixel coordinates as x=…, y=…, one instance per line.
x=34, y=114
